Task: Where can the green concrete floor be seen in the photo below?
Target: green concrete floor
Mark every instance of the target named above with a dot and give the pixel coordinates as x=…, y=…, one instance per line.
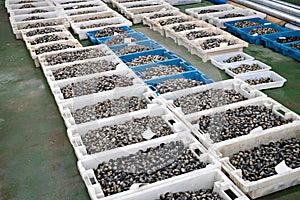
x=36, y=158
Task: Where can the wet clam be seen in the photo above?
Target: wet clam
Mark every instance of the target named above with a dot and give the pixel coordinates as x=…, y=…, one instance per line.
x=259, y=80
x=80, y=6
x=172, y=21
x=295, y=46
x=216, y=42
x=244, y=24
x=94, y=85
x=127, y=133
x=41, y=31
x=33, y=18
x=172, y=85
x=262, y=31
x=235, y=58
x=231, y=15
x=146, y=166
x=184, y=27
x=40, y=24
x=133, y=48
x=83, y=12
x=141, y=60
x=161, y=70
x=72, y=56
x=244, y=68
x=192, y=195
x=108, y=31
x=240, y=121
x=47, y=38
x=260, y=162
x=109, y=108
x=209, y=11
x=286, y=39
x=54, y=47
x=159, y=15
x=207, y=99
x=199, y=34
x=38, y=11
x=86, y=68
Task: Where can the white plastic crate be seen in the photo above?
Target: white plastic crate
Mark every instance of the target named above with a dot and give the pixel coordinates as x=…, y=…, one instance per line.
x=248, y=14
x=18, y=2
x=57, y=85
x=157, y=27
x=277, y=109
x=76, y=6
x=34, y=56
x=48, y=71
x=209, y=179
x=46, y=22
x=59, y=28
x=64, y=35
x=282, y=180
x=184, y=41
x=182, y=2
x=196, y=49
x=169, y=31
x=115, y=21
x=125, y=6
x=232, y=84
x=29, y=10
x=84, y=11
x=13, y=7
x=278, y=80
x=67, y=108
x=66, y=2
x=86, y=166
x=235, y=65
x=75, y=133
x=92, y=16
x=195, y=11
x=19, y=18
x=137, y=14
x=218, y=60
x=101, y=48
x=164, y=9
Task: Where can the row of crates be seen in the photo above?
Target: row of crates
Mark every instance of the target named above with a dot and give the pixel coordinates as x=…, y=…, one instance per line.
x=282, y=40
x=253, y=96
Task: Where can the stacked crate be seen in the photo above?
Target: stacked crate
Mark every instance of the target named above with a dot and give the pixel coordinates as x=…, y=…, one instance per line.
x=136, y=9
x=89, y=15
x=180, y=28
x=33, y=14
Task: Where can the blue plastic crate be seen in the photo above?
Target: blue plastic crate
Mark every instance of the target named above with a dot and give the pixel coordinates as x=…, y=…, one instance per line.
x=136, y=35
x=244, y=33
x=234, y=30
x=193, y=75
x=178, y=62
x=270, y=40
x=160, y=52
x=291, y=52
x=91, y=34
x=148, y=43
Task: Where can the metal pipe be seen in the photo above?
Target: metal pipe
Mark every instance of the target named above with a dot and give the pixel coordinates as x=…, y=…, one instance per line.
x=280, y=7
x=265, y=9
x=287, y=4
x=292, y=26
